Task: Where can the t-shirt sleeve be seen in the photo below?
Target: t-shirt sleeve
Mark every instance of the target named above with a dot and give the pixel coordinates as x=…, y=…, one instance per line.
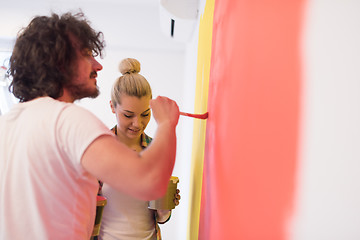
x=76, y=129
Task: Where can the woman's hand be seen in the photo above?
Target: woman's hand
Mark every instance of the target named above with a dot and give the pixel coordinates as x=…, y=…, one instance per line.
x=177, y=197
x=164, y=215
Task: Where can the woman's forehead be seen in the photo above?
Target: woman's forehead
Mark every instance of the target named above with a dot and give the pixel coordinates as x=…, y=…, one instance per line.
x=134, y=104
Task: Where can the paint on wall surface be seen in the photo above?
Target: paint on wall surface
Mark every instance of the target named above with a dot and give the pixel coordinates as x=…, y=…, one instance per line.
x=252, y=130
x=201, y=98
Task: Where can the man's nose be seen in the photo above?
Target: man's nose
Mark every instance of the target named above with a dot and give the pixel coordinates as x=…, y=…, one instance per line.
x=96, y=65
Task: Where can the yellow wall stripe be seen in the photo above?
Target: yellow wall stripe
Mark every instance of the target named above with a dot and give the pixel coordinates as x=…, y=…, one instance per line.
x=201, y=97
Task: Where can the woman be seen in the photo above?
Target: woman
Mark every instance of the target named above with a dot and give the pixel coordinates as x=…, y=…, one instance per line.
x=125, y=217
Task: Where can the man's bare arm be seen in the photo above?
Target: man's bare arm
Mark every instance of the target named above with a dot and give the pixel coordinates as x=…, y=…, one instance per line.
x=143, y=175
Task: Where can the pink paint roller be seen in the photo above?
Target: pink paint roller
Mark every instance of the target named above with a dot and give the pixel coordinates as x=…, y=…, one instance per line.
x=199, y=116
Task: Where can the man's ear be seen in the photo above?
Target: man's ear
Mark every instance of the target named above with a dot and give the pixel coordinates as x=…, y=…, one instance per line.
x=112, y=107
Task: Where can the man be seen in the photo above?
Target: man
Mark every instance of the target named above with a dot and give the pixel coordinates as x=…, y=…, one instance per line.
x=52, y=152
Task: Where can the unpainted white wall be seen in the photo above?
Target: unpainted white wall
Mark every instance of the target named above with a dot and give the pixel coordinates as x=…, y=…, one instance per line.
x=327, y=193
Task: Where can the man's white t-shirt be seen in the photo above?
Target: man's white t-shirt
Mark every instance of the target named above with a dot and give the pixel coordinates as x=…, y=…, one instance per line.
x=44, y=191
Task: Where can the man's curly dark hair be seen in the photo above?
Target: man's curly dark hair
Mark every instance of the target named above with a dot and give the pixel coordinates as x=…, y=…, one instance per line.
x=43, y=58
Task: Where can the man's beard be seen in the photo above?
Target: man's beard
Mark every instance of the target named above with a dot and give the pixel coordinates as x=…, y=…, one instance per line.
x=79, y=91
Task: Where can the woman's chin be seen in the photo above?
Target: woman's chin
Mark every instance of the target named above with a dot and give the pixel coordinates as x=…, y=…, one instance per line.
x=132, y=134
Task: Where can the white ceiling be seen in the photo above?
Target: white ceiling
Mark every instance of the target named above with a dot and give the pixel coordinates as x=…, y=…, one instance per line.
x=125, y=23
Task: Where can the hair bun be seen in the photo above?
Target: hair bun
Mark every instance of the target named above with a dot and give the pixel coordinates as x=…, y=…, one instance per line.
x=129, y=65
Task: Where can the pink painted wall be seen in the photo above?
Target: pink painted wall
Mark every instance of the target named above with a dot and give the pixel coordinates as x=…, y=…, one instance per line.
x=252, y=129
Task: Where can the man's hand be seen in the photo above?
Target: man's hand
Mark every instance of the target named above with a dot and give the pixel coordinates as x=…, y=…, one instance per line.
x=165, y=110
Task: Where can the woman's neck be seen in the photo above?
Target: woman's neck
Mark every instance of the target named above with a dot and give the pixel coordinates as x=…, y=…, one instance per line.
x=133, y=143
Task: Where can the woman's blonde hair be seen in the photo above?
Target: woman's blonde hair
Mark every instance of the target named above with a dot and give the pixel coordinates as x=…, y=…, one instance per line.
x=131, y=82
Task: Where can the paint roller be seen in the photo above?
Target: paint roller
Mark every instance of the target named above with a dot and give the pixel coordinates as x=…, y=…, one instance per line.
x=199, y=116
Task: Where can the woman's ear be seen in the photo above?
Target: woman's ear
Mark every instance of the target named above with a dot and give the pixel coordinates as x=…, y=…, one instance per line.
x=112, y=107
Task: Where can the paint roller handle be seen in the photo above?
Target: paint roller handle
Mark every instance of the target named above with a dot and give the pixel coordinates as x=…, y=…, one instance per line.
x=199, y=116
